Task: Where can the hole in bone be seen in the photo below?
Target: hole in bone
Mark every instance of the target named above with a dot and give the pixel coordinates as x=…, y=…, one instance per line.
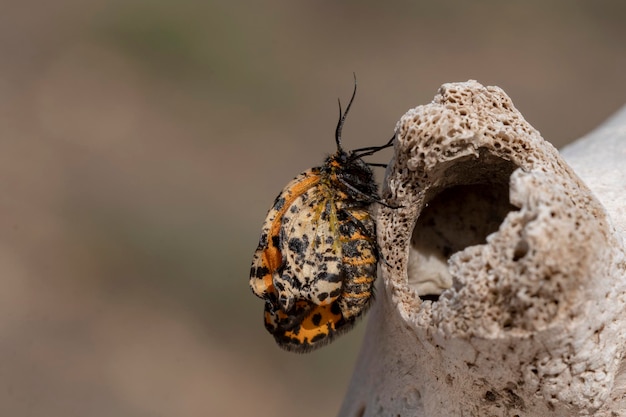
x=360, y=412
x=521, y=249
x=457, y=217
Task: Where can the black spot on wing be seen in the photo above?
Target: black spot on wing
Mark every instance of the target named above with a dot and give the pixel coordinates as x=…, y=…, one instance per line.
x=317, y=319
x=318, y=337
x=347, y=228
x=296, y=245
x=259, y=272
x=325, y=276
x=335, y=293
x=352, y=249
x=342, y=215
x=279, y=202
x=325, y=214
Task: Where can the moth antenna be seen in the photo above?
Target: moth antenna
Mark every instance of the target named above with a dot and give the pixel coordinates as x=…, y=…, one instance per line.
x=342, y=117
x=338, y=128
x=370, y=150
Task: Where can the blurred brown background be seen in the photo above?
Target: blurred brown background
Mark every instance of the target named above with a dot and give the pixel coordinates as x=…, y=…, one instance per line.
x=141, y=143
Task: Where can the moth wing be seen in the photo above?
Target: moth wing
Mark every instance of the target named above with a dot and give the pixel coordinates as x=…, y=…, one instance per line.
x=268, y=259
x=312, y=251
x=265, y=256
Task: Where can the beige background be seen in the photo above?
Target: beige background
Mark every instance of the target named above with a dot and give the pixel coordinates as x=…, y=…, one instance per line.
x=141, y=143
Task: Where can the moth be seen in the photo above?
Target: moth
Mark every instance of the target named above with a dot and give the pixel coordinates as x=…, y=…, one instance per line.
x=316, y=261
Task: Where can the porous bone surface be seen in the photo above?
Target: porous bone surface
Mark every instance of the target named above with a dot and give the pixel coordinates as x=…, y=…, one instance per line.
x=503, y=289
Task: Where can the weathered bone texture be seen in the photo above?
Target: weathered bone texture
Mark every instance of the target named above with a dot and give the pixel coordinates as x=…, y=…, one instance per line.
x=504, y=276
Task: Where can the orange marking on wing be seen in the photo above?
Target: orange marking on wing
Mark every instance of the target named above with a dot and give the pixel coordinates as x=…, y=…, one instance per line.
x=265, y=286
x=308, y=330
x=355, y=236
x=272, y=256
x=360, y=214
x=362, y=280
x=364, y=294
x=269, y=283
x=359, y=261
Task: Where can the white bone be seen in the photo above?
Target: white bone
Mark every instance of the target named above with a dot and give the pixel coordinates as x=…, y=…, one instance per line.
x=525, y=256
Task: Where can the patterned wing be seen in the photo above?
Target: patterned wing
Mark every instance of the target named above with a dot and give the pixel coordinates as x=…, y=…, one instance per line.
x=312, y=252
x=337, y=247
x=297, y=265
x=360, y=257
x=315, y=264
x=268, y=259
